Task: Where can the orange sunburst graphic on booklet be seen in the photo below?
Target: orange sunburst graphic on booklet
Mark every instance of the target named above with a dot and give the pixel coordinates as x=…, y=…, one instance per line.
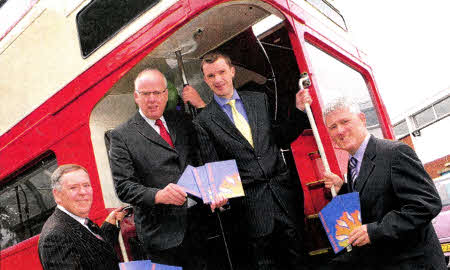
x=345, y=224
x=231, y=186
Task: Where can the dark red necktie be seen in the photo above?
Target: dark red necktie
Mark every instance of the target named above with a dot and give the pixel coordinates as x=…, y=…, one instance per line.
x=163, y=132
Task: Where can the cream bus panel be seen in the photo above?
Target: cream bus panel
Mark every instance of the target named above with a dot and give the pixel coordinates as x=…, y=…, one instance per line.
x=53, y=57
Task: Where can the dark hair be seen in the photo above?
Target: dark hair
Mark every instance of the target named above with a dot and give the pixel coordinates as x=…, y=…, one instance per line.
x=62, y=170
x=212, y=57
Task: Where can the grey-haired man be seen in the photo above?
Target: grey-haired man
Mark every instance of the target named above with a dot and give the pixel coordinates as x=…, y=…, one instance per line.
x=69, y=240
x=398, y=198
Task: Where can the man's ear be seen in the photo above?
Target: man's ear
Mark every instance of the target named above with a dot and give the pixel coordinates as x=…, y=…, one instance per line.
x=233, y=71
x=362, y=117
x=56, y=196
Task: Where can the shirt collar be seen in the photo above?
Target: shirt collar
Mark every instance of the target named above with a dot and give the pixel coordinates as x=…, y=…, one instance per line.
x=362, y=148
x=77, y=218
x=223, y=101
x=151, y=121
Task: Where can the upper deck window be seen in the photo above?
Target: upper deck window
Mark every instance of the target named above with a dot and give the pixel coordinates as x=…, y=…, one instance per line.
x=100, y=20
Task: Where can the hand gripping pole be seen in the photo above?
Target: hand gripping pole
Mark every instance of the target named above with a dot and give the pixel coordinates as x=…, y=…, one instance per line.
x=304, y=82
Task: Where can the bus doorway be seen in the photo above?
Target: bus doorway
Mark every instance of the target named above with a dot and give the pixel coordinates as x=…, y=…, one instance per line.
x=264, y=63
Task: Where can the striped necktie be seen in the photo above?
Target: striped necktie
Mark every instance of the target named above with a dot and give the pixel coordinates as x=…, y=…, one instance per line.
x=352, y=167
x=240, y=122
x=93, y=228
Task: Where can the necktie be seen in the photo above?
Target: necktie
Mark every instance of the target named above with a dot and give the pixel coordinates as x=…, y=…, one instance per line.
x=163, y=132
x=93, y=228
x=240, y=122
x=352, y=171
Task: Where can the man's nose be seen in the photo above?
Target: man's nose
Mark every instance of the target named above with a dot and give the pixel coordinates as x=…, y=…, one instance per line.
x=85, y=190
x=152, y=98
x=218, y=78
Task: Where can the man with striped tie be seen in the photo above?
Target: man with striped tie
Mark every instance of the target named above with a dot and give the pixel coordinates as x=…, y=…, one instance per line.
x=69, y=239
x=239, y=126
x=398, y=198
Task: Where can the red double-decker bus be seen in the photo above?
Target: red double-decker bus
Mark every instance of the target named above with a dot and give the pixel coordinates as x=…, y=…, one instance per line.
x=66, y=79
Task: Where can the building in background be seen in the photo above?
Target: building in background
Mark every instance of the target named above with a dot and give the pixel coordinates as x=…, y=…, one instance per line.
x=426, y=128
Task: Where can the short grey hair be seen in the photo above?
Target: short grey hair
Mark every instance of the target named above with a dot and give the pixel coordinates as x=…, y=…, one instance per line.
x=61, y=171
x=341, y=103
x=146, y=71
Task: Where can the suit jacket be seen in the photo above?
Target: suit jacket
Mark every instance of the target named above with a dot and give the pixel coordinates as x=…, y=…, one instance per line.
x=66, y=244
x=142, y=163
x=261, y=168
x=398, y=202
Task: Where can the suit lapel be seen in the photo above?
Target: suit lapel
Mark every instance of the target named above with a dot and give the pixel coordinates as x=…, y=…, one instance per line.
x=367, y=165
x=147, y=131
x=83, y=233
x=79, y=230
x=219, y=117
x=172, y=124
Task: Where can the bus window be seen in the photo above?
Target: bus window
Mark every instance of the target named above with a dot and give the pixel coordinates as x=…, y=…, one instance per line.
x=336, y=79
x=102, y=19
x=26, y=202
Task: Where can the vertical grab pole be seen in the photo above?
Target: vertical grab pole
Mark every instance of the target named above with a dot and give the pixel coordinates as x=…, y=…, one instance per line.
x=303, y=82
x=190, y=108
x=121, y=244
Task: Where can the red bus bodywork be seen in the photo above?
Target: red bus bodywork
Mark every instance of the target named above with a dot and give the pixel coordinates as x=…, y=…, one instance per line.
x=61, y=124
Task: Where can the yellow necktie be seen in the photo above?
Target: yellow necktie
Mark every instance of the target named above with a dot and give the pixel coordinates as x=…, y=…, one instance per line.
x=240, y=122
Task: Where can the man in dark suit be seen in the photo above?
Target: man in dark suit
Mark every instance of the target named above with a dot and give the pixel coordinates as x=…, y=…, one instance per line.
x=69, y=240
x=398, y=198
x=239, y=126
x=148, y=154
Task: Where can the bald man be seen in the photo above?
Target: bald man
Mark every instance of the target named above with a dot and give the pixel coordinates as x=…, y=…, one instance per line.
x=148, y=154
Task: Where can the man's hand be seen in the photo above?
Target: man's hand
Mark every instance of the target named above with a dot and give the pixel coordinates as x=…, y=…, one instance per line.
x=171, y=194
x=191, y=95
x=332, y=179
x=301, y=98
x=116, y=215
x=359, y=236
x=219, y=201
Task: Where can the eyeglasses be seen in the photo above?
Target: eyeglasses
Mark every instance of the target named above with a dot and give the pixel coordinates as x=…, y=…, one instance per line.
x=149, y=93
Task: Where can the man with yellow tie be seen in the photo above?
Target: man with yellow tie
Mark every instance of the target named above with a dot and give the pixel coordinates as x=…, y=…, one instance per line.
x=238, y=126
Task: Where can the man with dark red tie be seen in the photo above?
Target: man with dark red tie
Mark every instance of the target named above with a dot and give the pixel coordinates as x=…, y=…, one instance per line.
x=148, y=154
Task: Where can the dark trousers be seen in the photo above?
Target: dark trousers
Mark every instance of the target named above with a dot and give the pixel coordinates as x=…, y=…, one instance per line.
x=282, y=249
x=191, y=254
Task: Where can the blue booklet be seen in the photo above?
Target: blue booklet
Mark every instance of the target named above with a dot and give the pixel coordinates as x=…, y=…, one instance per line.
x=187, y=183
x=211, y=179
x=146, y=265
x=339, y=217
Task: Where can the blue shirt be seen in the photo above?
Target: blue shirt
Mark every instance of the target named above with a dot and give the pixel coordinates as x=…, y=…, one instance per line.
x=227, y=108
x=359, y=155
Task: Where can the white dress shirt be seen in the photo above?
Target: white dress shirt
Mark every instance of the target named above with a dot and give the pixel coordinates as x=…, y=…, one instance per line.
x=152, y=122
